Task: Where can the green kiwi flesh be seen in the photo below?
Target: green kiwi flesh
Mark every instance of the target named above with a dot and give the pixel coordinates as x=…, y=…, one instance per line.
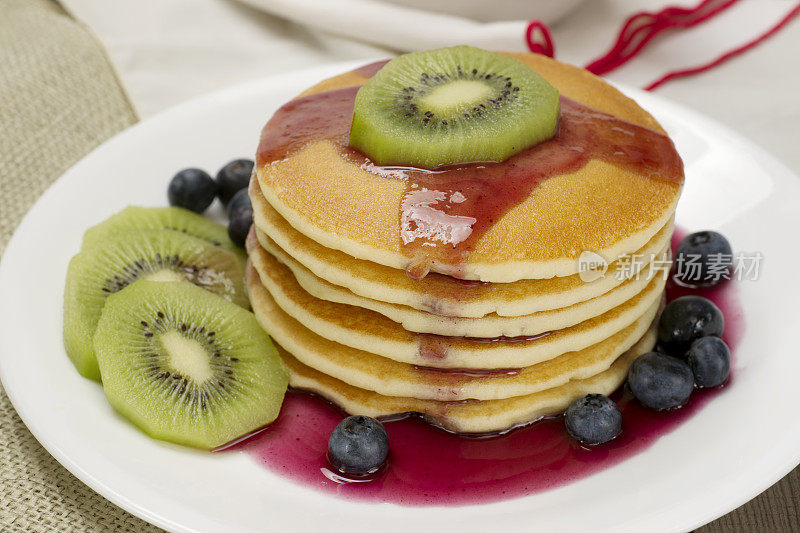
x=187, y=366
x=172, y=218
x=452, y=105
x=121, y=258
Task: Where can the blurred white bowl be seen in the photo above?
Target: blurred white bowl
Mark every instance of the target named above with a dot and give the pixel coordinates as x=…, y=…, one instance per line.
x=548, y=11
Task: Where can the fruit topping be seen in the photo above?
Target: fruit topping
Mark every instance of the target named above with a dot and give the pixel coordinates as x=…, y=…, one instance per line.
x=703, y=258
x=593, y=419
x=193, y=189
x=686, y=319
x=187, y=366
x=233, y=177
x=171, y=218
x=660, y=381
x=239, y=226
x=452, y=105
x=239, y=202
x=240, y=214
x=358, y=446
x=113, y=263
x=710, y=360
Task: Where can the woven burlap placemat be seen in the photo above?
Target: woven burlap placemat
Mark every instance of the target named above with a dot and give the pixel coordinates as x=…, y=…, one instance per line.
x=59, y=98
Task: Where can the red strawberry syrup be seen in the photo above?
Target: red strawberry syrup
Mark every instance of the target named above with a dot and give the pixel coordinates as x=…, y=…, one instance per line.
x=428, y=466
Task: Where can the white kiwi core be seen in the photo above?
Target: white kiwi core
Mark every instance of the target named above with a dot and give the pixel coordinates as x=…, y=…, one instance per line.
x=187, y=356
x=456, y=96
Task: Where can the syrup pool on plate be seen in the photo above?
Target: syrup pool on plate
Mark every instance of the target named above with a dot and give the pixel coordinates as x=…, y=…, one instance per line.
x=428, y=466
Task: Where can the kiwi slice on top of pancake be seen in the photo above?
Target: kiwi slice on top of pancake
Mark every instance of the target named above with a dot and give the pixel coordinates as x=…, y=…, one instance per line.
x=452, y=105
x=186, y=366
x=115, y=262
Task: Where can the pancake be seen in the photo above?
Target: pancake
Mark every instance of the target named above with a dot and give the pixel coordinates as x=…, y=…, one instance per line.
x=345, y=205
x=468, y=416
x=372, y=332
x=283, y=285
x=490, y=325
x=390, y=378
x=436, y=293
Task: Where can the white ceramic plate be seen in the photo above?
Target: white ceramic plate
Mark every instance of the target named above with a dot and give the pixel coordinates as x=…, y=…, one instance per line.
x=738, y=445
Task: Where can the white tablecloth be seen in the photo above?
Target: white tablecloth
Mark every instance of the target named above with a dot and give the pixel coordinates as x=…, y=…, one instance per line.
x=167, y=51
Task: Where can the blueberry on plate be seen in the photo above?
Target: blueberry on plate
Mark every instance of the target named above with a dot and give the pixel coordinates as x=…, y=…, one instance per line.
x=686, y=319
x=358, y=446
x=703, y=258
x=710, y=361
x=232, y=178
x=593, y=419
x=239, y=226
x=240, y=201
x=192, y=189
x=240, y=217
x=660, y=381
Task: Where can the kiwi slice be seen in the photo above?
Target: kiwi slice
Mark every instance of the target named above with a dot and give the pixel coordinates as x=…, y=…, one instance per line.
x=452, y=105
x=172, y=218
x=124, y=257
x=187, y=366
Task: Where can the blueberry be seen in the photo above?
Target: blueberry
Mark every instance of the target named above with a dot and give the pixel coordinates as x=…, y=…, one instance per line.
x=593, y=419
x=660, y=381
x=686, y=319
x=239, y=201
x=239, y=226
x=193, y=189
x=703, y=258
x=358, y=446
x=710, y=360
x=232, y=178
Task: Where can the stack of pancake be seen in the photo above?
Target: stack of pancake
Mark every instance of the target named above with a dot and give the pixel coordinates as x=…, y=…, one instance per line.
x=519, y=335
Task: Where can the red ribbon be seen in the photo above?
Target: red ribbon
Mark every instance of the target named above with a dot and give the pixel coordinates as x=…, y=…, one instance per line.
x=727, y=55
x=539, y=40
x=640, y=28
